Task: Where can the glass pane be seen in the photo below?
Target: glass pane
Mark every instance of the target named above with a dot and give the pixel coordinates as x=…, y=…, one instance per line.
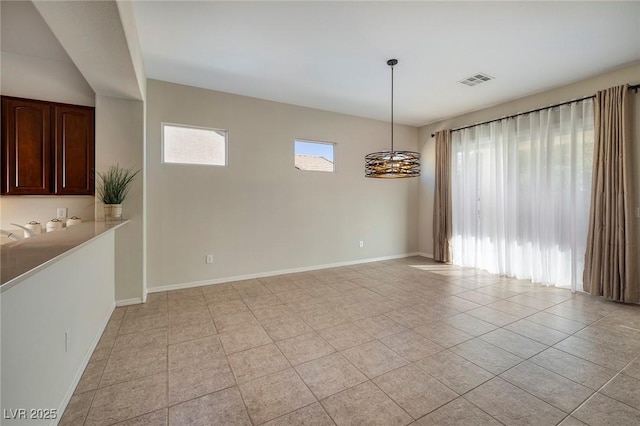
x=190, y=145
x=314, y=156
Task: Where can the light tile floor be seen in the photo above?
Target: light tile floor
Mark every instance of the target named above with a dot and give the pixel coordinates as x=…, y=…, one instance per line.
x=386, y=343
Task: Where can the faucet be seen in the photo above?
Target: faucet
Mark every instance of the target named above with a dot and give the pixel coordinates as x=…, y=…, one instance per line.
x=9, y=235
x=27, y=232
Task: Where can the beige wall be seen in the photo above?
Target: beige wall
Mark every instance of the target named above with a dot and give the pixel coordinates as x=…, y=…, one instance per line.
x=260, y=214
x=21, y=209
x=119, y=139
x=629, y=74
x=44, y=79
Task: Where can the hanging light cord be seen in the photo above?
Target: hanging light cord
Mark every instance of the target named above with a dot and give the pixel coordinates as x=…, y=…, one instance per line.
x=392, y=64
x=392, y=164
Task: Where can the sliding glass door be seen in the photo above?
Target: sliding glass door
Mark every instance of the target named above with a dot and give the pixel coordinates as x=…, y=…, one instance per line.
x=521, y=192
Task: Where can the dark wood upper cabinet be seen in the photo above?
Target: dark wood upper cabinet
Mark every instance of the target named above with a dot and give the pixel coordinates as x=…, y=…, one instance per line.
x=47, y=148
x=74, y=148
x=26, y=147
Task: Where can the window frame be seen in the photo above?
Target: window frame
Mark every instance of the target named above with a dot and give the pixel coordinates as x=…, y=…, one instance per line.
x=189, y=126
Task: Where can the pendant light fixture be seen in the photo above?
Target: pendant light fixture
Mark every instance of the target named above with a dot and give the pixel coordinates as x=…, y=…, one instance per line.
x=392, y=164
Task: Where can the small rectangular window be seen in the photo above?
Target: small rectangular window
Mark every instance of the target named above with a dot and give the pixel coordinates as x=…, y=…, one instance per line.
x=314, y=156
x=193, y=145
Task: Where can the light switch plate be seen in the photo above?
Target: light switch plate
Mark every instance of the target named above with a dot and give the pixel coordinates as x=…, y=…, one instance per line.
x=62, y=213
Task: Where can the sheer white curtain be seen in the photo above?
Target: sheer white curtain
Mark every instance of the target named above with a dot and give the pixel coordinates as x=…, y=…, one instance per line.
x=520, y=194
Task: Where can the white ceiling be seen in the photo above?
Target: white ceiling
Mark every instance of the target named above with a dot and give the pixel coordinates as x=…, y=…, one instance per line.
x=332, y=55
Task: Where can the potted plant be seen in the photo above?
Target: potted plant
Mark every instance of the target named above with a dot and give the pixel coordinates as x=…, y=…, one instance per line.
x=113, y=187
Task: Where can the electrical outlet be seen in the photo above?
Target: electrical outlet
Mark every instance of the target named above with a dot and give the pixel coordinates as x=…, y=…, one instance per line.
x=62, y=213
x=209, y=258
x=67, y=340
x=361, y=244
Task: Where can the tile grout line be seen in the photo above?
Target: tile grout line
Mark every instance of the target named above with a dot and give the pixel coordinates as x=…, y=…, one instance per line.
x=594, y=392
x=167, y=371
x=246, y=409
x=168, y=406
x=391, y=398
x=86, y=416
x=519, y=363
x=403, y=278
x=602, y=387
x=236, y=384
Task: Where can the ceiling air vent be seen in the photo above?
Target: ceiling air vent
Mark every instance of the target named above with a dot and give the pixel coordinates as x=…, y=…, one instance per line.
x=474, y=80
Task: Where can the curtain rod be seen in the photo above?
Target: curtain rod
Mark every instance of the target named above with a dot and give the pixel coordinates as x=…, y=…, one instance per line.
x=635, y=89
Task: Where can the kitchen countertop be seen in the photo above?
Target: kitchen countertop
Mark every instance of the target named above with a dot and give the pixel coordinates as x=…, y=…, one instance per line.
x=21, y=259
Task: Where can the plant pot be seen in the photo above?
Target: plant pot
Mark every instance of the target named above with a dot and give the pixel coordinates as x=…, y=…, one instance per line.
x=112, y=212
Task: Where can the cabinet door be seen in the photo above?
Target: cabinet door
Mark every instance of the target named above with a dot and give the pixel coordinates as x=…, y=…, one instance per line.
x=26, y=147
x=74, y=150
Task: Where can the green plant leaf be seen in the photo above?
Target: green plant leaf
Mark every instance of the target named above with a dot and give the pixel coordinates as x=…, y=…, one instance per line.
x=114, y=184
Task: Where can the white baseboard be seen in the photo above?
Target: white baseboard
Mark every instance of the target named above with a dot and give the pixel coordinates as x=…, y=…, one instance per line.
x=85, y=361
x=127, y=302
x=278, y=272
x=429, y=255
